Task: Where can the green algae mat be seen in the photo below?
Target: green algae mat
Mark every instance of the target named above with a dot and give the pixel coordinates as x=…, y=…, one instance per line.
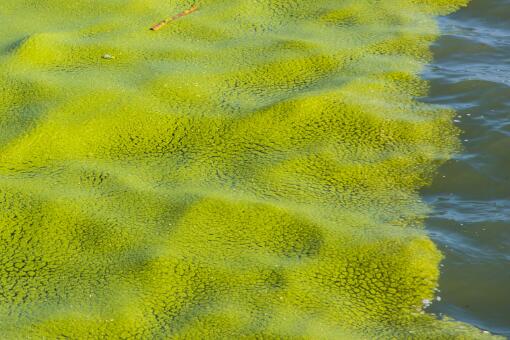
x=250, y=170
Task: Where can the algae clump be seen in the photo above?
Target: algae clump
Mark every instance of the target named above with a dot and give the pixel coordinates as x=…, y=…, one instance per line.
x=250, y=170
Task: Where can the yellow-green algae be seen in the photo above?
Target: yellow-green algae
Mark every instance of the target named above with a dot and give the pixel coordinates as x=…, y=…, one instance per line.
x=249, y=171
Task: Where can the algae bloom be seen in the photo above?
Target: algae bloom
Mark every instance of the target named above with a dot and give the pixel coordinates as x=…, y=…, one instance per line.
x=251, y=170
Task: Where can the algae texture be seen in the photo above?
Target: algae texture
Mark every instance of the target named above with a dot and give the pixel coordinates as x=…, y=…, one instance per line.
x=251, y=170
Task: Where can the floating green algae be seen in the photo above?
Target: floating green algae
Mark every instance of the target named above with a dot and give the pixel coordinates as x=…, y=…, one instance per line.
x=251, y=170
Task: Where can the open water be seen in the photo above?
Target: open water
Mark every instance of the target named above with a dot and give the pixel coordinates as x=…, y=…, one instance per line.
x=471, y=193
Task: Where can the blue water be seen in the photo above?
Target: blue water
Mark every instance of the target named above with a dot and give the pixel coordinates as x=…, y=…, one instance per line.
x=471, y=194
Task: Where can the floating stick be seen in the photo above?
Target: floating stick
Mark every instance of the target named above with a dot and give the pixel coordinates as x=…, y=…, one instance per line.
x=175, y=17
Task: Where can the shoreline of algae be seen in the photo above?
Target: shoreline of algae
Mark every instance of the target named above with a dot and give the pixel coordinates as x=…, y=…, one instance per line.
x=251, y=170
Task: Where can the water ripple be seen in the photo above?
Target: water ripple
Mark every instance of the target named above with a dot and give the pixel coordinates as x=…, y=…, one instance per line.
x=470, y=198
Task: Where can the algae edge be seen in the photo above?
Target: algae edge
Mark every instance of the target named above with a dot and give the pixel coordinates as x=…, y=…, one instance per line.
x=249, y=171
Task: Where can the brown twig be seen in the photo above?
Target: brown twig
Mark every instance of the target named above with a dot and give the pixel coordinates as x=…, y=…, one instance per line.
x=159, y=25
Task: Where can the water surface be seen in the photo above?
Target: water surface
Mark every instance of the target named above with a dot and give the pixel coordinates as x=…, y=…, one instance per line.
x=471, y=194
